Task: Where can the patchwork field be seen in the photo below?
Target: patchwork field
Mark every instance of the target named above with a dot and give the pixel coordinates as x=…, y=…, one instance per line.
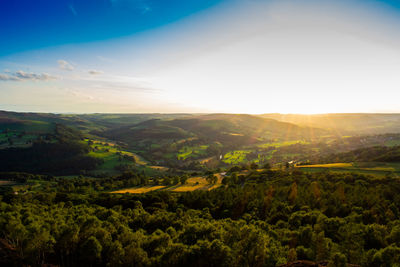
x=16, y=139
x=112, y=155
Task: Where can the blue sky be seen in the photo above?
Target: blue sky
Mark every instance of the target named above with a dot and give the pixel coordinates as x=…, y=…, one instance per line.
x=241, y=56
x=32, y=24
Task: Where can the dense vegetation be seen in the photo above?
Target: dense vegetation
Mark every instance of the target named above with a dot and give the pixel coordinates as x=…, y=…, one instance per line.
x=370, y=154
x=60, y=153
x=268, y=206
x=261, y=219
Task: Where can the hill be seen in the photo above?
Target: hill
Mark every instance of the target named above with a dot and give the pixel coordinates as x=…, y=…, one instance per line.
x=343, y=124
x=201, y=136
x=225, y=128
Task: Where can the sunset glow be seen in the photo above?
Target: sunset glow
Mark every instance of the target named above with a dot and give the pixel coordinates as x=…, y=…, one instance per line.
x=230, y=56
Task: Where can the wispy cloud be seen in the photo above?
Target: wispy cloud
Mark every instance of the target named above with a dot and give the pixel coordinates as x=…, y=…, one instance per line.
x=65, y=65
x=95, y=72
x=139, y=5
x=20, y=75
x=73, y=10
x=7, y=77
x=145, y=9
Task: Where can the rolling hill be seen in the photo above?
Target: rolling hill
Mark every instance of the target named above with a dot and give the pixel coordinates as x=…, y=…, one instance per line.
x=224, y=128
x=345, y=124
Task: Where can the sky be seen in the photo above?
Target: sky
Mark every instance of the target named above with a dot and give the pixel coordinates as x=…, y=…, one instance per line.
x=170, y=56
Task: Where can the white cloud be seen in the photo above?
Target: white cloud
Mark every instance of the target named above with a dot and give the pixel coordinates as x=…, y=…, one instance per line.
x=64, y=65
x=95, y=72
x=7, y=77
x=25, y=76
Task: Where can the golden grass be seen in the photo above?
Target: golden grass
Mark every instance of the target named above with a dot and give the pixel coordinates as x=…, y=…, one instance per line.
x=139, y=190
x=197, y=183
x=203, y=161
x=329, y=165
x=214, y=187
x=192, y=184
x=188, y=188
x=160, y=168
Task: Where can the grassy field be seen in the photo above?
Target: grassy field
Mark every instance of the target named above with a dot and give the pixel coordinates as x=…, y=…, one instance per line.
x=392, y=143
x=378, y=169
x=31, y=126
x=280, y=144
x=235, y=157
x=188, y=151
x=330, y=165
x=139, y=190
x=112, y=155
x=159, y=168
x=198, y=183
x=192, y=184
x=17, y=138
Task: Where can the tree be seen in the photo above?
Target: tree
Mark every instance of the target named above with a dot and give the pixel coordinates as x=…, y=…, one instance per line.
x=293, y=193
x=338, y=260
x=91, y=250
x=267, y=166
x=254, y=166
x=287, y=165
x=183, y=179
x=176, y=180
x=212, y=179
x=167, y=181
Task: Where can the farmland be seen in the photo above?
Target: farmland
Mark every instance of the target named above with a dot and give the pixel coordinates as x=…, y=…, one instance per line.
x=281, y=144
x=192, y=184
x=163, y=179
x=195, y=152
x=112, y=155
x=139, y=190
x=377, y=169
x=235, y=157
x=17, y=139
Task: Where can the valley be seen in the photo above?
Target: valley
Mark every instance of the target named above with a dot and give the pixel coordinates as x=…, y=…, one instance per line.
x=198, y=184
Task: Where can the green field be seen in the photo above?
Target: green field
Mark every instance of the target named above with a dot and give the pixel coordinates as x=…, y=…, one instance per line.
x=280, y=144
x=18, y=139
x=113, y=156
x=31, y=126
x=235, y=157
x=192, y=151
x=392, y=143
x=377, y=169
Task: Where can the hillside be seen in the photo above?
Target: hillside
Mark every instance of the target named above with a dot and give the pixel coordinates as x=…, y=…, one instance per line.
x=343, y=124
x=240, y=128
x=198, y=141
x=169, y=141
x=370, y=154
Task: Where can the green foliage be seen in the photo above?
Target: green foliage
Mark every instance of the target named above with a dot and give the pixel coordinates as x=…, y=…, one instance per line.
x=262, y=219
